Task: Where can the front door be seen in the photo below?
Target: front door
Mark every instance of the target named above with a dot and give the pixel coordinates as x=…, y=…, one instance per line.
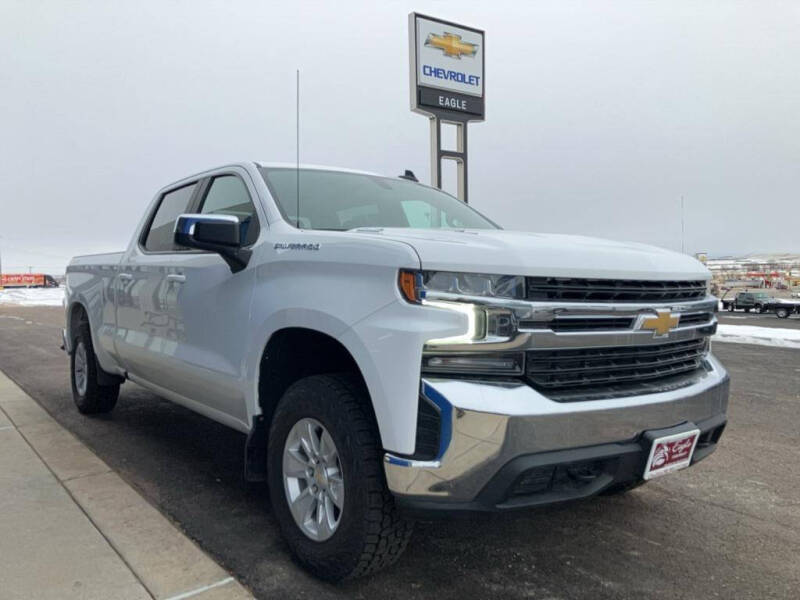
x=195, y=311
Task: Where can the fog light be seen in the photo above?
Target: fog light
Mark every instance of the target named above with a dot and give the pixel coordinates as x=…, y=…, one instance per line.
x=474, y=364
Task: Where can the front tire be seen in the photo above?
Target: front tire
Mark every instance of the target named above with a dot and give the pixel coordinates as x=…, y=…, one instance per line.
x=336, y=513
x=90, y=397
x=782, y=313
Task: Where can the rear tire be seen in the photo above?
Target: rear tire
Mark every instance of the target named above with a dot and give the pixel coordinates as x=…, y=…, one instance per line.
x=730, y=307
x=90, y=397
x=369, y=532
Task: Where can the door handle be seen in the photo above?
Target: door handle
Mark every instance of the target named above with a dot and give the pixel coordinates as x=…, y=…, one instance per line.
x=125, y=276
x=176, y=277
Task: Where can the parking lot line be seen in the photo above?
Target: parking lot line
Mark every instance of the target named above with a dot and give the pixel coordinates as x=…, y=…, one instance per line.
x=200, y=590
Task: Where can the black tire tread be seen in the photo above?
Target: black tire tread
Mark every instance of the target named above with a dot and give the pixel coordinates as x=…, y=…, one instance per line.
x=387, y=531
x=98, y=398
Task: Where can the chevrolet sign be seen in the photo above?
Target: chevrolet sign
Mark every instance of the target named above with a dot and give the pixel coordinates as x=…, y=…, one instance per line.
x=447, y=68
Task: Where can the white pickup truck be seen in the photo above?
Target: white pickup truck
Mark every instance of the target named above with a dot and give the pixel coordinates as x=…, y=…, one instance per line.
x=390, y=352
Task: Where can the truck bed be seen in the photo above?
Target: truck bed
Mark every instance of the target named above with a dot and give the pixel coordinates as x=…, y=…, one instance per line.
x=97, y=260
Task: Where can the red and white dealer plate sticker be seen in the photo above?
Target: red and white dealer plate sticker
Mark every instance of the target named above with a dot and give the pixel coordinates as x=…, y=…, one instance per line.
x=670, y=453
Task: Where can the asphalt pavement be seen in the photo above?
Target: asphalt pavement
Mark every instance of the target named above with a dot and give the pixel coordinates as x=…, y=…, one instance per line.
x=727, y=528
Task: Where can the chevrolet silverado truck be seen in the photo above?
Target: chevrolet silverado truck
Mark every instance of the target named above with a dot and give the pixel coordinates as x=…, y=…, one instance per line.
x=390, y=353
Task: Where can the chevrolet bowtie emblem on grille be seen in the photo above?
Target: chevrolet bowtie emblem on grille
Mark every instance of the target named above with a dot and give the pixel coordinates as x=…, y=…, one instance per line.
x=451, y=45
x=660, y=324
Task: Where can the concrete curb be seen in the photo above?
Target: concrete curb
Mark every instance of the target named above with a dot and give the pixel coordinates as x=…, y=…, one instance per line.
x=77, y=530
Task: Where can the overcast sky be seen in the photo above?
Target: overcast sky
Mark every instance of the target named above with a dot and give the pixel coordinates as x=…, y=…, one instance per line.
x=599, y=115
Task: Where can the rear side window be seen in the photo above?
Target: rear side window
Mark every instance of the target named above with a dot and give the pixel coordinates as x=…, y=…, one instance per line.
x=228, y=195
x=160, y=236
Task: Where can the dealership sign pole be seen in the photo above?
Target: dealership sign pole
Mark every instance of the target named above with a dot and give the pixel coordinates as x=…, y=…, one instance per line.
x=447, y=85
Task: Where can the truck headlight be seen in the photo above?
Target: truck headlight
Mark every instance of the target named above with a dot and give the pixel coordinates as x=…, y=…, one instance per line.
x=483, y=321
x=415, y=284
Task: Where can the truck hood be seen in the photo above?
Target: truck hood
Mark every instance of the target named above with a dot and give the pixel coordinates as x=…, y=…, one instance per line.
x=538, y=254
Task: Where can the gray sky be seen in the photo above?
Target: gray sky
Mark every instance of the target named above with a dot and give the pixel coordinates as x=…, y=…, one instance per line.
x=599, y=115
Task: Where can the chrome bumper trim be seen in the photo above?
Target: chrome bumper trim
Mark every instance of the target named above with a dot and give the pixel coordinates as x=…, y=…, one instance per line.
x=491, y=423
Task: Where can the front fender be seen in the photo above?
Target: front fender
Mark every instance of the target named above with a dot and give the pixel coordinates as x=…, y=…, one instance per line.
x=305, y=318
x=387, y=346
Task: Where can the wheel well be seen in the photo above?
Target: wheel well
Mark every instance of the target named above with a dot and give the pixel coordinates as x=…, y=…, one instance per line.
x=290, y=355
x=294, y=353
x=77, y=315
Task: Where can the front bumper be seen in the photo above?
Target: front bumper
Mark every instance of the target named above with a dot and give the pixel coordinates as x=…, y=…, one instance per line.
x=498, y=438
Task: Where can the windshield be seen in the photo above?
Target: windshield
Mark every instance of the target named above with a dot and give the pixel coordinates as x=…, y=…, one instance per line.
x=340, y=201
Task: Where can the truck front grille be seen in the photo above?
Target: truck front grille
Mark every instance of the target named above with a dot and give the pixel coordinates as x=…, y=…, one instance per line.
x=612, y=290
x=594, y=373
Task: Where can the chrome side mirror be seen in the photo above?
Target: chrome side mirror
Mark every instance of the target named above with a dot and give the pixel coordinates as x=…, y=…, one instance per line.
x=215, y=233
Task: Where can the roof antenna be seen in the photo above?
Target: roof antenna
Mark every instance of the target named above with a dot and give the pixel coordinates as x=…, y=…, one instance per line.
x=409, y=174
x=297, y=113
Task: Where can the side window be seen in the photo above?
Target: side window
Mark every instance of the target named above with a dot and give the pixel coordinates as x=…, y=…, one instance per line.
x=228, y=195
x=160, y=236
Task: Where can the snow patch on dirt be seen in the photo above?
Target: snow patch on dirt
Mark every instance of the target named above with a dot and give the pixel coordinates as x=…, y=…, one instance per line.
x=32, y=296
x=763, y=336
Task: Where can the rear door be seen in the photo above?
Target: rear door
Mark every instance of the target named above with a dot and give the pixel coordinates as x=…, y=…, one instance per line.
x=149, y=327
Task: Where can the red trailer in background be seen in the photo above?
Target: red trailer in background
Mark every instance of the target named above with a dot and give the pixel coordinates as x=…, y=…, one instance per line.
x=27, y=280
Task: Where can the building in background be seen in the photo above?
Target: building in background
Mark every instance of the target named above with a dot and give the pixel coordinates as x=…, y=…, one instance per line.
x=776, y=271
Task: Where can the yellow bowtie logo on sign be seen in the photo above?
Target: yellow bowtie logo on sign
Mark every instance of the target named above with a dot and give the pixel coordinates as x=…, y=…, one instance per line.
x=451, y=45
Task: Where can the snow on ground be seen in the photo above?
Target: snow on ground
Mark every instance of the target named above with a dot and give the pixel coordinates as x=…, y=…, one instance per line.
x=32, y=296
x=763, y=336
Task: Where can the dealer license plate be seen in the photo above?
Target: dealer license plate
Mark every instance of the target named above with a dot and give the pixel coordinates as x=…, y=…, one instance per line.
x=671, y=453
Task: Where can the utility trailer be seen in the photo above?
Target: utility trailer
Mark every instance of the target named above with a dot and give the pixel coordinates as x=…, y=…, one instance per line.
x=784, y=308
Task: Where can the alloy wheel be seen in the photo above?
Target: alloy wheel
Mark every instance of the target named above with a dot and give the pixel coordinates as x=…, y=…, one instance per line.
x=80, y=370
x=312, y=479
